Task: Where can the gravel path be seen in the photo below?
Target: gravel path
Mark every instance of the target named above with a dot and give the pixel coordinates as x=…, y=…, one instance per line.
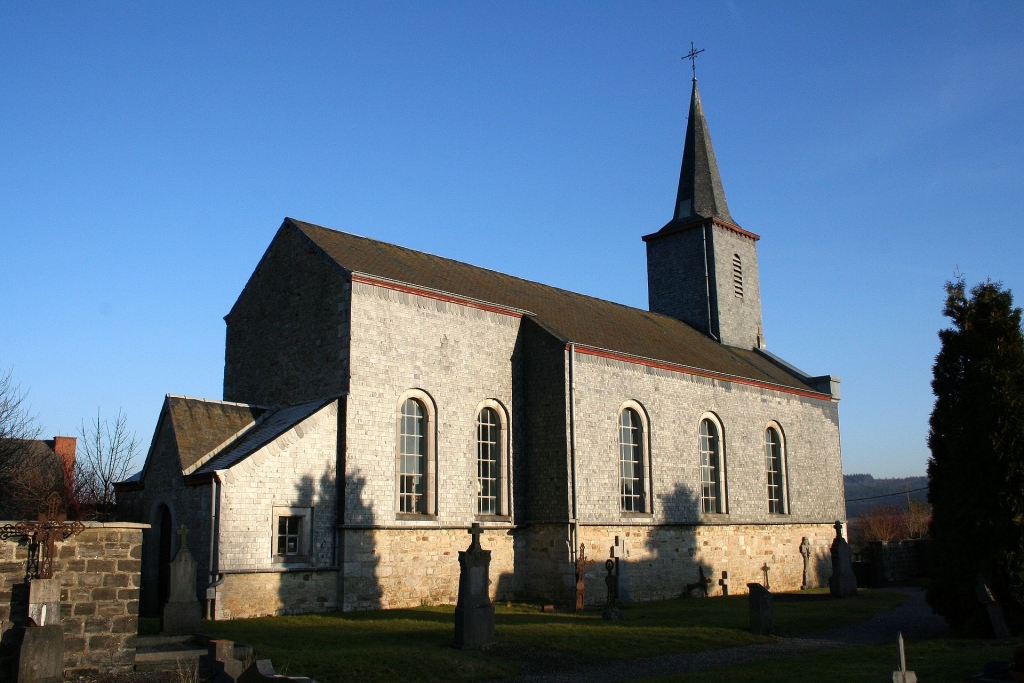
x=914, y=618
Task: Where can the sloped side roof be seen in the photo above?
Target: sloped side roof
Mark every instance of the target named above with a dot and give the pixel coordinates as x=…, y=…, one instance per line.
x=272, y=426
x=201, y=425
x=572, y=317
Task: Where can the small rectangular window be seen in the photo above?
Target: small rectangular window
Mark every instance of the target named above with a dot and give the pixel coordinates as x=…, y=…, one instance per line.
x=289, y=535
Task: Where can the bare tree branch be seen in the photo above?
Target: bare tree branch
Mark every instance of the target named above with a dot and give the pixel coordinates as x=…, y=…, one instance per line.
x=105, y=456
x=17, y=428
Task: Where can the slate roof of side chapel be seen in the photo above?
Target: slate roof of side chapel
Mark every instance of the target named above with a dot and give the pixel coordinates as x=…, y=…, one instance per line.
x=201, y=425
x=571, y=317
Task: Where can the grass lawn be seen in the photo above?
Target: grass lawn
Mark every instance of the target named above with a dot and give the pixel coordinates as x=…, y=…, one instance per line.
x=934, y=661
x=415, y=644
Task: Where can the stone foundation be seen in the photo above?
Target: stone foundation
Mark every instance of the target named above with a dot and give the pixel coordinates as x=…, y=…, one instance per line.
x=264, y=594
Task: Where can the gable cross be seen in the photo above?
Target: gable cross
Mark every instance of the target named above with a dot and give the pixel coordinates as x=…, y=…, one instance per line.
x=692, y=56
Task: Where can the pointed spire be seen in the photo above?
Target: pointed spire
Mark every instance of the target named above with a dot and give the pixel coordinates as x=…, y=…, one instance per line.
x=700, y=186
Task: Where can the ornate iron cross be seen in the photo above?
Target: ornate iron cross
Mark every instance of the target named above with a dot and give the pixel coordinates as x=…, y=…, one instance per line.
x=51, y=527
x=692, y=56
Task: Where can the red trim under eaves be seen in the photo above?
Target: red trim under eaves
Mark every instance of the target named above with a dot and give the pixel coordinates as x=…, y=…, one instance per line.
x=696, y=224
x=661, y=365
x=432, y=294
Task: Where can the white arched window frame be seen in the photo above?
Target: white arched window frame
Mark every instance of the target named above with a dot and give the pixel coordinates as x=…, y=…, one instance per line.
x=415, y=455
x=776, y=473
x=714, y=490
x=492, y=462
x=634, y=461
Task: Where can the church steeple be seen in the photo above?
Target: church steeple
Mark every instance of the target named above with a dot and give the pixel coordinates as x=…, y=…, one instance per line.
x=700, y=185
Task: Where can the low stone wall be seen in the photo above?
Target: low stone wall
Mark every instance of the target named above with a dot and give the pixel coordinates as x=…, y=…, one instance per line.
x=896, y=561
x=262, y=594
x=98, y=572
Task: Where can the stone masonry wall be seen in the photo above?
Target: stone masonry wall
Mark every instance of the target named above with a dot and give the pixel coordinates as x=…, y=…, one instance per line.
x=459, y=357
x=674, y=404
x=676, y=282
x=738, y=318
x=287, y=335
x=660, y=560
x=393, y=568
x=99, y=576
x=295, y=470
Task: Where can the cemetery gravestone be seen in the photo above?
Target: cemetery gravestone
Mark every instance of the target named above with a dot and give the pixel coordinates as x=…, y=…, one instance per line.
x=995, y=610
x=474, y=613
x=762, y=611
x=805, y=551
x=902, y=675
x=41, y=658
x=181, y=615
x=611, y=610
x=619, y=554
x=219, y=663
x=842, y=583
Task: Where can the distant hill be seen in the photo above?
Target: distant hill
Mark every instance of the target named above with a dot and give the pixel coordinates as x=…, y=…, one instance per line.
x=864, y=492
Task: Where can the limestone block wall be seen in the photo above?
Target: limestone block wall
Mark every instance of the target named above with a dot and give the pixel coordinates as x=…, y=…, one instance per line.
x=295, y=470
x=458, y=357
x=674, y=403
x=262, y=594
x=99, y=574
x=287, y=335
x=660, y=560
x=401, y=567
x=738, y=318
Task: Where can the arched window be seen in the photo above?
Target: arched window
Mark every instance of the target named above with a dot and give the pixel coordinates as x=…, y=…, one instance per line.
x=710, y=467
x=631, y=461
x=488, y=462
x=412, y=458
x=737, y=276
x=774, y=467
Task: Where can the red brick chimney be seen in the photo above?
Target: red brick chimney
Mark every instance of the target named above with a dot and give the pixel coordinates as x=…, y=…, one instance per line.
x=64, y=447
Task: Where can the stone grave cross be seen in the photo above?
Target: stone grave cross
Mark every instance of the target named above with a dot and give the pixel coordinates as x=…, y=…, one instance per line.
x=475, y=531
x=474, y=612
x=805, y=551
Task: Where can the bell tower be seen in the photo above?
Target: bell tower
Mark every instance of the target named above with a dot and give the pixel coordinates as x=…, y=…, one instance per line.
x=702, y=266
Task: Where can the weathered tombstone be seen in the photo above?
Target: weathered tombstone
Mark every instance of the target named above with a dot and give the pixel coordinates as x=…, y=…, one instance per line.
x=41, y=659
x=724, y=583
x=842, y=583
x=181, y=615
x=611, y=609
x=995, y=610
x=762, y=612
x=474, y=613
x=44, y=602
x=219, y=663
x=902, y=675
x=619, y=554
x=262, y=671
x=805, y=551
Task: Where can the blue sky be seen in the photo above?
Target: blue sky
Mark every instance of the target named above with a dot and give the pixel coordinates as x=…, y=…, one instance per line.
x=151, y=150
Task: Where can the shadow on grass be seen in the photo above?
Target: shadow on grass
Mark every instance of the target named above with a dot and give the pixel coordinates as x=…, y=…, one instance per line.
x=416, y=644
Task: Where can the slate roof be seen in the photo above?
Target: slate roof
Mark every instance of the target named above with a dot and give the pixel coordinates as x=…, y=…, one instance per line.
x=201, y=425
x=569, y=316
x=701, y=194
x=272, y=426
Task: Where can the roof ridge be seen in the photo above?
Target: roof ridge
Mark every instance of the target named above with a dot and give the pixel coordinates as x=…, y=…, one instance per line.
x=219, y=401
x=491, y=270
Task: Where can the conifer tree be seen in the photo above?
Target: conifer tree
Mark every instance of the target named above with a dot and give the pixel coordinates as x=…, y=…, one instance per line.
x=976, y=469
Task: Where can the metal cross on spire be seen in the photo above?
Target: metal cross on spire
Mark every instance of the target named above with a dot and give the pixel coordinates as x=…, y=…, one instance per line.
x=693, y=59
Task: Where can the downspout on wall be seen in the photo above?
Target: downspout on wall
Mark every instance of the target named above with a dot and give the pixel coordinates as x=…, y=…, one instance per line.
x=574, y=528
x=215, y=579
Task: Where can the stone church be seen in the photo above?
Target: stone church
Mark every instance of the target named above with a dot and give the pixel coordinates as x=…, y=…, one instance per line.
x=379, y=400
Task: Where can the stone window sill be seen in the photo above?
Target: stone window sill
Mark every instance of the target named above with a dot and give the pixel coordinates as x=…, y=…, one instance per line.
x=500, y=519
x=635, y=515
x=415, y=517
x=291, y=560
